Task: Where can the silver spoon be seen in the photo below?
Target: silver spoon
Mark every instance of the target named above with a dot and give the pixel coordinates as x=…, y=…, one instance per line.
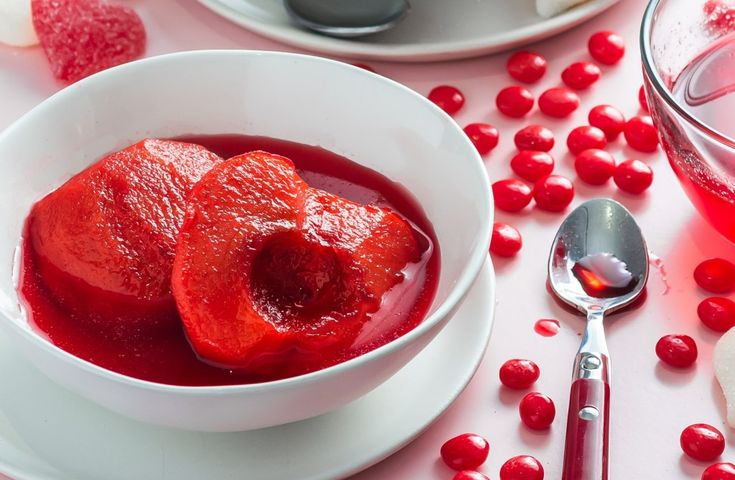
x=347, y=18
x=598, y=230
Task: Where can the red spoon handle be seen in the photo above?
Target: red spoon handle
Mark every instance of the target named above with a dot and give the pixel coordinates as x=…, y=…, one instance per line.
x=585, y=454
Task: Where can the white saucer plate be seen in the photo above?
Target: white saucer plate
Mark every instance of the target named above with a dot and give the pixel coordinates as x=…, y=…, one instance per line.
x=434, y=30
x=49, y=433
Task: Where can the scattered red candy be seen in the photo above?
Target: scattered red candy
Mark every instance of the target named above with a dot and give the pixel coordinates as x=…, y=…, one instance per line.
x=522, y=467
x=537, y=411
x=558, y=102
x=511, y=195
x=519, y=374
x=719, y=471
x=448, y=98
x=506, y=240
x=586, y=137
x=702, y=442
x=82, y=37
x=594, y=166
x=608, y=119
x=641, y=134
x=633, y=176
x=642, y=99
x=469, y=475
x=531, y=165
x=679, y=351
x=465, y=452
x=526, y=67
x=606, y=47
x=534, y=137
x=514, y=101
x=717, y=313
x=553, y=193
x=483, y=136
x=715, y=275
x=580, y=75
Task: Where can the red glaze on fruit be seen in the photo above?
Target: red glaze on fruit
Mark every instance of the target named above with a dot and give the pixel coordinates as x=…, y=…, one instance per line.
x=715, y=275
x=608, y=119
x=514, y=101
x=719, y=471
x=506, y=240
x=606, y=47
x=299, y=270
x=511, y=195
x=531, y=165
x=717, y=313
x=82, y=37
x=594, y=166
x=586, y=137
x=553, y=193
x=633, y=176
x=470, y=475
x=537, y=411
x=702, y=442
x=104, y=241
x=580, y=75
x=558, y=102
x=679, y=351
x=642, y=101
x=519, y=374
x=483, y=136
x=448, y=98
x=522, y=467
x=465, y=452
x=534, y=137
x=641, y=134
x=526, y=67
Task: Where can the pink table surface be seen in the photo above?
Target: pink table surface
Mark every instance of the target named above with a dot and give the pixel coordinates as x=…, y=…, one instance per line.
x=650, y=402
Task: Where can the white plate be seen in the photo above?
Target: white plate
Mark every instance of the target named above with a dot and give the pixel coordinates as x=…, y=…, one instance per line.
x=49, y=433
x=434, y=30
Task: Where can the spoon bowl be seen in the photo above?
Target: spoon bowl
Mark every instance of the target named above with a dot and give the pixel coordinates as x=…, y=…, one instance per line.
x=347, y=18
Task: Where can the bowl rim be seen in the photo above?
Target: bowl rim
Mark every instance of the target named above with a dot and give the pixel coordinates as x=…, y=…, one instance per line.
x=475, y=259
x=651, y=73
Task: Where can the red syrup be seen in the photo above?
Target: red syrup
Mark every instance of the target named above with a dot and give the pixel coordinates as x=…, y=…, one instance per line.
x=165, y=356
x=603, y=276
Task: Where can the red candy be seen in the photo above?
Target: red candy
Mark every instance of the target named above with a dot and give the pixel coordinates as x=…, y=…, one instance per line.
x=679, y=351
x=558, y=102
x=553, y=193
x=506, y=240
x=522, y=467
x=702, y=442
x=465, y=452
x=448, y=98
x=534, y=137
x=642, y=99
x=82, y=37
x=531, y=165
x=580, y=75
x=511, y=195
x=469, y=475
x=519, y=374
x=537, y=411
x=717, y=313
x=606, y=47
x=483, y=136
x=633, y=176
x=720, y=16
x=719, y=471
x=715, y=275
x=641, y=134
x=608, y=119
x=586, y=137
x=514, y=101
x=526, y=67
x=594, y=166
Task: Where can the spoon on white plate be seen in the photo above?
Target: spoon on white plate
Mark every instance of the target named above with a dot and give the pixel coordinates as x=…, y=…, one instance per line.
x=347, y=18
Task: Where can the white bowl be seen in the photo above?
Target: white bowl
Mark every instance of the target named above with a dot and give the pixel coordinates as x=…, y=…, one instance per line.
x=368, y=118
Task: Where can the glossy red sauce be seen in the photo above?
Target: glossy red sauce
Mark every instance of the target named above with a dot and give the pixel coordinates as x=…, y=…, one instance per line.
x=164, y=355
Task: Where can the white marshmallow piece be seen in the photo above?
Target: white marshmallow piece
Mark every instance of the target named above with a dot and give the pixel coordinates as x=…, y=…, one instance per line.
x=16, y=26
x=724, y=363
x=549, y=8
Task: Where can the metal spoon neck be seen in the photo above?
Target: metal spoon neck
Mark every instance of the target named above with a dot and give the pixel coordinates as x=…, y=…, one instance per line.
x=593, y=340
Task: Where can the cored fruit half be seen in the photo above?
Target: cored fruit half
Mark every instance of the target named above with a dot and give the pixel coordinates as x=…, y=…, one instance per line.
x=104, y=241
x=272, y=275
